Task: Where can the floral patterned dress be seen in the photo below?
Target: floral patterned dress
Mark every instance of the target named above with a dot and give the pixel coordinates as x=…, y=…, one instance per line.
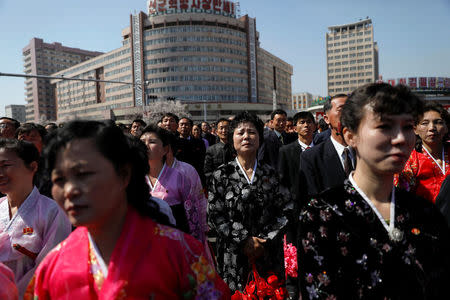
x=346, y=253
x=238, y=210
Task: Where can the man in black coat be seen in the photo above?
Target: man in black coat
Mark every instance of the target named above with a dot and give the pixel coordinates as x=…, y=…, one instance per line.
x=219, y=153
x=289, y=155
x=274, y=139
x=443, y=199
x=206, y=134
x=327, y=164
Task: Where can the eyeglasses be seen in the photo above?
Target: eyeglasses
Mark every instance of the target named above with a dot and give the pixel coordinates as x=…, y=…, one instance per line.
x=4, y=125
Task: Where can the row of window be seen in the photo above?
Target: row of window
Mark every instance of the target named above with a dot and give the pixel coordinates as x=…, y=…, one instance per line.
x=195, y=39
x=98, y=108
x=349, y=42
x=349, y=82
x=349, y=75
x=366, y=67
x=196, y=69
x=69, y=100
x=117, y=71
x=196, y=49
x=126, y=78
x=198, y=88
x=118, y=88
x=180, y=59
x=211, y=29
x=350, y=55
x=118, y=97
x=352, y=62
x=344, y=36
x=122, y=61
x=351, y=48
x=197, y=78
x=194, y=98
x=94, y=61
x=75, y=92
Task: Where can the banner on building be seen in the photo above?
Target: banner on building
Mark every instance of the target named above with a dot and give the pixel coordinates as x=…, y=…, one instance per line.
x=220, y=7
x=391, y=82
x=440, y=82
x=432, y=82
x=447, y=83
x=412, y=82
x=422, y=82
x=402, y=81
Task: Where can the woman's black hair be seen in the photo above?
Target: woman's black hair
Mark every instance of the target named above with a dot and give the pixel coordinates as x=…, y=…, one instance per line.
x=384, y=99
x=437, y=107
x=26, y=151
x=161, y=133
x=120, y=150
x=26, y=128
x=246, y=117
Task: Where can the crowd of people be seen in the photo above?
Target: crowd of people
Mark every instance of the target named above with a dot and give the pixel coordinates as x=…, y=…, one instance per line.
x=353, y=206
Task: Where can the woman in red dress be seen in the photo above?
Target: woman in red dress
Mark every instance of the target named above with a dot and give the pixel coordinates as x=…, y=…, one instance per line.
x=429, y=162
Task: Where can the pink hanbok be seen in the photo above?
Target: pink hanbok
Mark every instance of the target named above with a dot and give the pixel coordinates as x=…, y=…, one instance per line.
x=26, y=238
x=8, y=289
x=196, y=203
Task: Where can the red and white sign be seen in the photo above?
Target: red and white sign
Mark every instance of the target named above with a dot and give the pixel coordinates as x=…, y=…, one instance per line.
x=222, y=7
x=422, y=82
x=402, y=81
x=412, y=82
x=447, y=83
x=431, y=82
x=391, y=82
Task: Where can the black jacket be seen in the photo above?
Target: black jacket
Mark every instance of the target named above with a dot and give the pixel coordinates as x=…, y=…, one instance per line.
x=217, y=155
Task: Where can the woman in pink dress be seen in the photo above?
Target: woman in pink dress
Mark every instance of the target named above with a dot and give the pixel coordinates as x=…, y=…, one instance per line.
x=118, y=250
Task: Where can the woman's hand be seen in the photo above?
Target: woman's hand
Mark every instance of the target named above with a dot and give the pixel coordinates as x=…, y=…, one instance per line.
x=254, y=248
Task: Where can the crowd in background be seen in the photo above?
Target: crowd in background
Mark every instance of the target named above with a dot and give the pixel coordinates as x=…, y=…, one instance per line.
x=355, y=205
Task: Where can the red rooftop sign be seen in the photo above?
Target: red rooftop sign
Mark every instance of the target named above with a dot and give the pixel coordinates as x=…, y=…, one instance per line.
x=219, y=7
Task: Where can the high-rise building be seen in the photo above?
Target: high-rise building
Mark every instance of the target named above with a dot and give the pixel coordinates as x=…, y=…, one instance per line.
x=352, y=56
x=301, y=101
x=16, y=112
x=41, y=58
x=192, y=51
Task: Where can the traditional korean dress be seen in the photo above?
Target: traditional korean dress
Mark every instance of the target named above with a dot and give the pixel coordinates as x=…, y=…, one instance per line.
x=25, y=239
x=348, y=251
x=240, y=208
x=149, y=261
x=422, y=175
x=195, y=205
x=172, y=187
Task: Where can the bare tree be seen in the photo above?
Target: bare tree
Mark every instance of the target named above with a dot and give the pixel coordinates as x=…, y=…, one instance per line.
x=154, y=111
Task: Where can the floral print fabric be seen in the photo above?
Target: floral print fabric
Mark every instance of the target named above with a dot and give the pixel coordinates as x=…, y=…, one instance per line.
x=346, y=253
x=238, y=210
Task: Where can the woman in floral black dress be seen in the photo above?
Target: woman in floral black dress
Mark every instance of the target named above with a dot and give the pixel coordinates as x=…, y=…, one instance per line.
x=247, y=208
x=367, y=239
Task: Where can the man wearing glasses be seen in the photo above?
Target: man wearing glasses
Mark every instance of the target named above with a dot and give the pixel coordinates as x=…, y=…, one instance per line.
x=8, y=127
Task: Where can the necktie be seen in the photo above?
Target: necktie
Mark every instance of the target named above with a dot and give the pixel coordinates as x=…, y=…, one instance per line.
x=348, y=166
x=281, y=139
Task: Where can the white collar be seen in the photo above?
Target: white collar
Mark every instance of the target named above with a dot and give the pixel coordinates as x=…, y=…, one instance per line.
x=338, y=146
x=277, y=133
x=304, y=146
x=249, y=181
x=157, y=179
x=394, y=233
x=435, y=161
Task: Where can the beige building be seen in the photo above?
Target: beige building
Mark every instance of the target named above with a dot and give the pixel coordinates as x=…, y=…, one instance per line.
x=352, y=56
x=301, y=101
x=196, y=55
x=16, y=112
x=40, y=58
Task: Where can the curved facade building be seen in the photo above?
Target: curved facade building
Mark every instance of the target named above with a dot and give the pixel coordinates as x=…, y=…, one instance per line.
x=198, y=51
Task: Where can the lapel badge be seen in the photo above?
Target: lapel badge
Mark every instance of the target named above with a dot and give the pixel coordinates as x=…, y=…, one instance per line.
x=415, y=231
x=28, y=231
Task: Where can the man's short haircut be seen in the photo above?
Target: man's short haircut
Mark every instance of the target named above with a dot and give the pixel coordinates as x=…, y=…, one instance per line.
x=323, y=125
x=190, y=121
x=170, y=115
x=384, y=99
x=15, y=123
x=140, y=121
x=222, y=120
x=303, y=115
x=328, y=105
x=26, y=128
x=290, y=119
x=277, y=112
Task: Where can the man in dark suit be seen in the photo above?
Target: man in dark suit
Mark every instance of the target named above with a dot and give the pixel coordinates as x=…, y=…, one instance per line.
x=443, y=199
x=206, y=134
x=274, y=139
x=329, y=163
x=219, y=153
x=289, y=155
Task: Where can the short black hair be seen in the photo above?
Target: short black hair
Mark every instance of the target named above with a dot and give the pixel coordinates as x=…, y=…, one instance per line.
x=190, y=121
x=303, y=115
x=222, y=120
x=328, y=105
x=26, y=128
x=161, y=133
x=277, y=112
x=323, y=125
x=247, y=117
x=140, y=121
x=25, y=150
x=384, y=99
x=171, y=115
x=437, y=107
x=16, y=123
